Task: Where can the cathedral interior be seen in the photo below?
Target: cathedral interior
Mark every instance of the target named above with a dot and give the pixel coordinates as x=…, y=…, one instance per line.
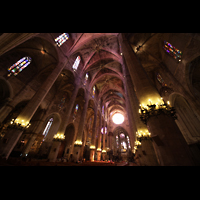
x=128, y=99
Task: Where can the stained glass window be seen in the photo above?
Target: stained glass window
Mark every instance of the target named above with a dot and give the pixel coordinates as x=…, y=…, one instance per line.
x=76, y=63
x=48, y=126
x=124, y=145
x=61, y=39
x=172, y=51
x=75, y=111
x=86, y=78
x=93, y=91
x=62, y=102
x=160, y=79
x=19, y=66
x=105, y=130
x=129, y=146
x=117, y=141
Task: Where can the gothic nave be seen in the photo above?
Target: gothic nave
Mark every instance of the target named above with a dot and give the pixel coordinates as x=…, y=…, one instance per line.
x=100, y=99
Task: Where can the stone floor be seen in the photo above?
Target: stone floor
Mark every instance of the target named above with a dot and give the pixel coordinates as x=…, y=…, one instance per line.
x=17, y=162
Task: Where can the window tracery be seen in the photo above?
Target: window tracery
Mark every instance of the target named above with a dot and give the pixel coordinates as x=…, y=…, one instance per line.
x=172, y=51
x=19, y=66
x=86, y=78
x=93, y=91
x=61, y=39
x=76, y=63
x=47, y=128
x=75, y=111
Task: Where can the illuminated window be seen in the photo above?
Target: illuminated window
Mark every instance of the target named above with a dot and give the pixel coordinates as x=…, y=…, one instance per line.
x=62, y=102
x=75, y=111
x=128, y=141
x=124, y=145
x=48, y=126
x=19, y=66
x=122, y=135
x=93, y=91
x=61, y=39
x=172, y=51
x=160, y=79
x=86, y=78
x=117, y=141
x=76, y=63
x=105, y=130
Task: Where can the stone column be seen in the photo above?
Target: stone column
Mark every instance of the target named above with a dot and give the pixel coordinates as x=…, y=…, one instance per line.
x=54, y=151
x=157, y=125
x=104, y=146
x=39, y=96
x=34, y=132
x=27, y=113
x=143, y=87
x=6, y=110
x=9, y=41
x=13, y=102
x=79, y=138
x=99, y=137
x=148, y=153
x=130, y=104
x=140, y=126
x=69, y=108
x=93, y=142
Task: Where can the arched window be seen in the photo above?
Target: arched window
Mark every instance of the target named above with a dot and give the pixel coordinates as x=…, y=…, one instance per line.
x=19, y=66
x=48, y=126
x=117, y=141
x=172, y=51
x=105, y=130
x=160, y=79
x=61, y=39
x=76, y=63
x=93, y=91
x=86, y=78
x=75, y=111
x=62, y=102
x=129, y=146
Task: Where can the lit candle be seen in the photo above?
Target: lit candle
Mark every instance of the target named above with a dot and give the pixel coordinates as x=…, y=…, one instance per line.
x=156, y=105
x=150, y=101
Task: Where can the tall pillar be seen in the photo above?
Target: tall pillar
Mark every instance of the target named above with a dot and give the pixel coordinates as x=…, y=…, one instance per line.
x=78, y=143
x=143, y=86
x=39, y=96
x=69, y=108
x=104, y=145
x=9, y=41
x=93, y=140
x=99, y=136
x=54, y=151
x=34, y=132
x=130, y=104
x=13, y=134
x=158, y=125
x=140, y=126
